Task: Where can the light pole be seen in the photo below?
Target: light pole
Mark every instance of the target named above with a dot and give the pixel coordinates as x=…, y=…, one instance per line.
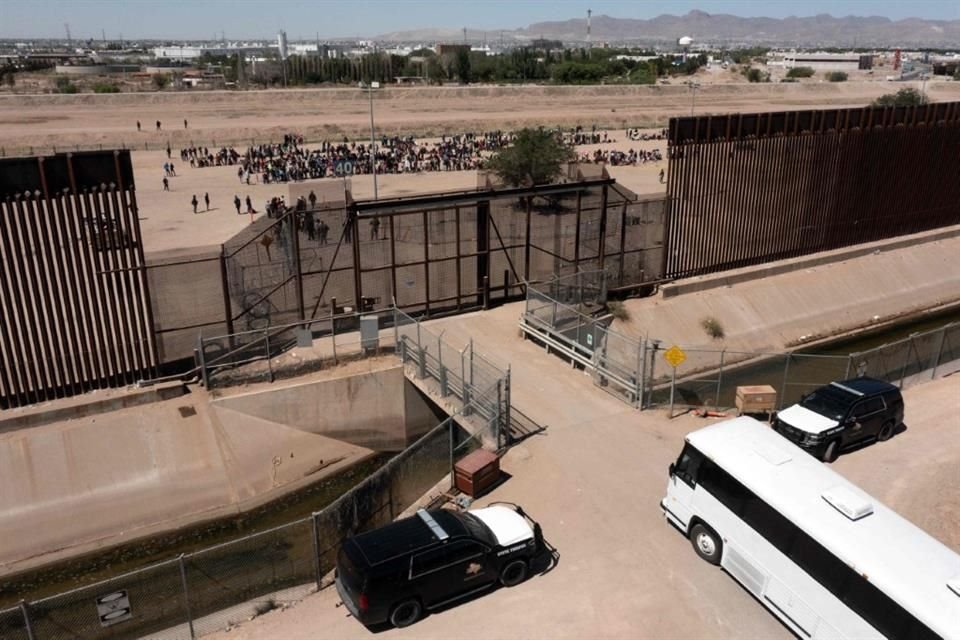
x=373, y=136
x=694, y=86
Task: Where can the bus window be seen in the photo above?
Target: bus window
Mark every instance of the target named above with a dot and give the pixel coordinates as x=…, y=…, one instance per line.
x=688, y=465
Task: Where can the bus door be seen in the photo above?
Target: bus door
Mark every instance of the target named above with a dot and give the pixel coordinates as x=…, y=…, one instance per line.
x=683, y=481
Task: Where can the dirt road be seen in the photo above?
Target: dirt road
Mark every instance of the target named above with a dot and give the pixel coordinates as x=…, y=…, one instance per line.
x=594, y=481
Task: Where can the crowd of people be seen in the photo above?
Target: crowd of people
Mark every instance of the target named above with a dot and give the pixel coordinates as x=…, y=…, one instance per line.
x=621, y=158
x=290, y=160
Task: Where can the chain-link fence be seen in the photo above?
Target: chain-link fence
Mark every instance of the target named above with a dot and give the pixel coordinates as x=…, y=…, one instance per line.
x=215, y=588
x=709, y=378
x=558, y=315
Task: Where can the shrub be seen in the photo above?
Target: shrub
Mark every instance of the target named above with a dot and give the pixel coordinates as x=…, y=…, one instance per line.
x=618, y=310
x=160, y=80
x=263, y=607
x=902, y=98
x=753, y=74
x=64, y=85
x=837, y=76
x=800, y=72
x=106, y=87
x=713, y=327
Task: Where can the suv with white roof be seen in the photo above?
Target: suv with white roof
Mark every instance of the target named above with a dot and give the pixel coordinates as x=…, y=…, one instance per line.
x=842, y=415
x=394, y=573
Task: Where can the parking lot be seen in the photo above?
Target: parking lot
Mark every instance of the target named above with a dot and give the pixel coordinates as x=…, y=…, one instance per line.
x=594, y=480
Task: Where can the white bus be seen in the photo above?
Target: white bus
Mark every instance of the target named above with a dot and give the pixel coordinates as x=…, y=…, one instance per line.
x=826, y=558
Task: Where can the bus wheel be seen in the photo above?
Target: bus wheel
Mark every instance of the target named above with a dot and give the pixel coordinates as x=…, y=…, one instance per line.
x=514, y=573
x=405, y=613
x=706, y=543
x=886, y=431
x=832, y=452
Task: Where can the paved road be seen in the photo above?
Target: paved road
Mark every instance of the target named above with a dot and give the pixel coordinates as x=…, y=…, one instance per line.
x=594, y=480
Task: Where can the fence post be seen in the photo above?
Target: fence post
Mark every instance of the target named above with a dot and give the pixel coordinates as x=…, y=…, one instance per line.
x=499, y=414
x=464, y=384
x=333, y=332
x=507, y=407
x=186, y=594
x=396, y=328
x=203, y=362
x=936, y=358
x=783, y=387
x=641, y=372
x=26, y=619
x=723, y=353
x=266, y=338
x=486, y=292
x=906, y=361
x=444, y=392
x=673, y=385
x=316, y=547
x=453, y=478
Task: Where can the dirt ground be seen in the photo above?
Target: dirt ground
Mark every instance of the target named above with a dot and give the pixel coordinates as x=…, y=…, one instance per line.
x=594, y=480
x=216, y=118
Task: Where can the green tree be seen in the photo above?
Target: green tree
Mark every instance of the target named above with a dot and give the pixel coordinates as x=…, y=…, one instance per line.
x=105, y=87
x=800, y=72
x=160, y=81
x=837, y=76
x=463, y=65
x=902, y=98
x=536, y=157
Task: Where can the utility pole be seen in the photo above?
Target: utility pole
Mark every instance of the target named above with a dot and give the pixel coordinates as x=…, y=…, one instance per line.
x=103, y=36
x=66, y=26
x=464, y=35
x=373, y=139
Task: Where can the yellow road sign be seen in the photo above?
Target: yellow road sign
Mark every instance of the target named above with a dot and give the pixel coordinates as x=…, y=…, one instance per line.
x=675, y=356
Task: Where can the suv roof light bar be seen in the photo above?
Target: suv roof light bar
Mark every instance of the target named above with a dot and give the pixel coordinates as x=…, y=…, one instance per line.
x=433, y=524
x=846, y=388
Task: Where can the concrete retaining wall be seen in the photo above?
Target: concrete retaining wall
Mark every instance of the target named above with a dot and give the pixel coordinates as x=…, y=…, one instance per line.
x=377, y=409
x=75, y=486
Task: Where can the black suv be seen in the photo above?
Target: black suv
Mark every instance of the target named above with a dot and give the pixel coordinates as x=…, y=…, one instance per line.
x=394, y=573
x=842, y=415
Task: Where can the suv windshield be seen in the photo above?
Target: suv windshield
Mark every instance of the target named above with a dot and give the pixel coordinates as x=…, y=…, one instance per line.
x=830, y=402
x=476, y=528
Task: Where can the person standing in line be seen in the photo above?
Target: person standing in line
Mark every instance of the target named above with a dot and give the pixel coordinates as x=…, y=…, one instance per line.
x=323, y=230
x=313, y=199
x=661, y=176
x=236, y=203
x=194, y=203
x=250, y=206
x=166, y=184
x=206, y=201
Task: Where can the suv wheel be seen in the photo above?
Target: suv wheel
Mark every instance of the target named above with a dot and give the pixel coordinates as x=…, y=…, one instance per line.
x=405, y=613
x=514, y=573
x=832, y=452
x=706, y=543
x=886, y=431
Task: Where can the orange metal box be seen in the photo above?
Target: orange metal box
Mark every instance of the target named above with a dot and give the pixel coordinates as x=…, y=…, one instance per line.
x=477, y=472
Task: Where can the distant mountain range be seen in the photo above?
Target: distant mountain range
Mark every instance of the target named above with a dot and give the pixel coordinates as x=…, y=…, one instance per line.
x=718, y=29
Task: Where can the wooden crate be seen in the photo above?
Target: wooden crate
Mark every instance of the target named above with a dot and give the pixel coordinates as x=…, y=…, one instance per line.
x=756, y=399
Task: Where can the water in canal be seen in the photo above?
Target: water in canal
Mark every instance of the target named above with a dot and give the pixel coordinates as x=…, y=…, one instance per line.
x=801, y=371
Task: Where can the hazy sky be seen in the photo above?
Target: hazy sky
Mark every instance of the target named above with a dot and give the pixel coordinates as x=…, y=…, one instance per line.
x=191, y=19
